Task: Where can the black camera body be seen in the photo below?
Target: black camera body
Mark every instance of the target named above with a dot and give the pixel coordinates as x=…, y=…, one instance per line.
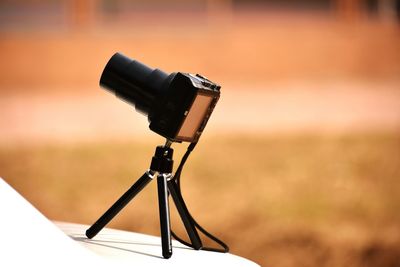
x=172, y=113
x=178, y=105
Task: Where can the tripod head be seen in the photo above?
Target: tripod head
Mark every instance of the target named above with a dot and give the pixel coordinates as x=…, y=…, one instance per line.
x=162, y=161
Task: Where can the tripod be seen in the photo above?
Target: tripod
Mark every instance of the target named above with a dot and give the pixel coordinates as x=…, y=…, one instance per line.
x=161, y=164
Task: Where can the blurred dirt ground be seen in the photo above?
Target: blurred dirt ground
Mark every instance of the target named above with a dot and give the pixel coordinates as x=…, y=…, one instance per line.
x=309, y=200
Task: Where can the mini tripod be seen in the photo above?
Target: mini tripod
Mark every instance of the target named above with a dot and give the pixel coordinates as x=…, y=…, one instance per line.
x=161, y=164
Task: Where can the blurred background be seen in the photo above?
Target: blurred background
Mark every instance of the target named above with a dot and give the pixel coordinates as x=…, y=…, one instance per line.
x=300, y=162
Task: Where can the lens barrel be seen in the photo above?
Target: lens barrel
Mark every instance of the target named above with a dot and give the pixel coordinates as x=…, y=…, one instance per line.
x=134, y=82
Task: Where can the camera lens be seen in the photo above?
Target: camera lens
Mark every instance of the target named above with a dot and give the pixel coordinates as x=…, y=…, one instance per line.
x=134, y=82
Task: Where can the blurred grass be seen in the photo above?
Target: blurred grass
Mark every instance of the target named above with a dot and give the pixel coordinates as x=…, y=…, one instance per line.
x=308, y=200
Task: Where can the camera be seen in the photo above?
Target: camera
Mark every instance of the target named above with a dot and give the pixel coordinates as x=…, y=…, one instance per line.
x=177, y=105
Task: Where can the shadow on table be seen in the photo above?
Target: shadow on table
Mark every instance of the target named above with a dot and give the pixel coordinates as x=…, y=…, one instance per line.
x=107, y=243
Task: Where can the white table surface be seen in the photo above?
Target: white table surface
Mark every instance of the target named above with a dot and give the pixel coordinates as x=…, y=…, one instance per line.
x=145, y=250
x=28, y=238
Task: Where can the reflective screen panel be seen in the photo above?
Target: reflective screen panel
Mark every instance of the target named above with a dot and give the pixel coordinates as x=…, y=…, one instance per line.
x=195, y=116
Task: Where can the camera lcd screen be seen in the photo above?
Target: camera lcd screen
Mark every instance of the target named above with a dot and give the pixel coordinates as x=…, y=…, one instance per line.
x=195, y=117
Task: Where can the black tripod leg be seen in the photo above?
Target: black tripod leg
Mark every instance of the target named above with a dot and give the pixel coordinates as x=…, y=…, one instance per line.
x=120, y=204
x=185, y=216
x=165, y=226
